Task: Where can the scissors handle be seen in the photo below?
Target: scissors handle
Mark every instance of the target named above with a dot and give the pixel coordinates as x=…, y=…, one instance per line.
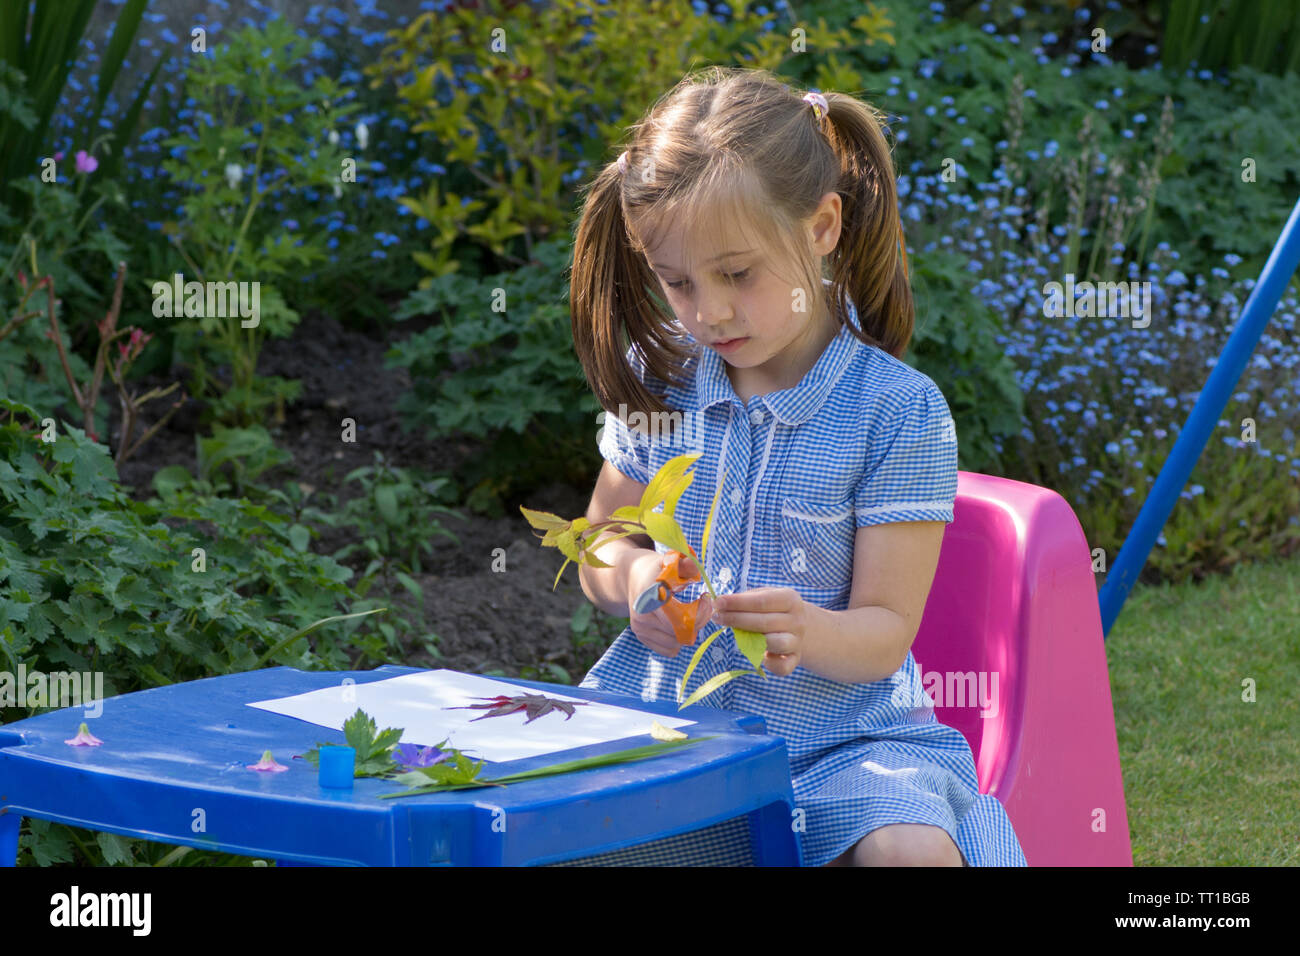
x=661, y=589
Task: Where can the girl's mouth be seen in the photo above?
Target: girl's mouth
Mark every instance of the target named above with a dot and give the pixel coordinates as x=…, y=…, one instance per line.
x=729, y=345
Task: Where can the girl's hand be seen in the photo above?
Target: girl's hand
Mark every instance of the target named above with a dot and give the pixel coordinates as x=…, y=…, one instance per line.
x=779, y=613
x=657, y=630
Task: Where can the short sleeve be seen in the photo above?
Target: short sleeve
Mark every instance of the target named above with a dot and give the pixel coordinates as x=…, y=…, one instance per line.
x=626, y=450
x=911, y=472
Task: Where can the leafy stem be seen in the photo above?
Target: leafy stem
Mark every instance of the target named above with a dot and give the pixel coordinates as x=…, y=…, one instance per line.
x=578, y=539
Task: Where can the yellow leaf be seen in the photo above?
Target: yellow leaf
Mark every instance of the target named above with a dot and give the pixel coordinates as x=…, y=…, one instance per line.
x=752, y=644
x=543, y=520
x=666, y=531
x=659, y=732
x=568, y=546
x=695, y=660
x=710, y=685
x=708, y=525
x=672, y=470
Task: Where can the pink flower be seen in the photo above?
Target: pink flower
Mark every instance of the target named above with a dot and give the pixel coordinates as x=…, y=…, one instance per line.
x=85, y=162
x=139, y=339
x=58, y=157
x=84, y=738
x=266, y=763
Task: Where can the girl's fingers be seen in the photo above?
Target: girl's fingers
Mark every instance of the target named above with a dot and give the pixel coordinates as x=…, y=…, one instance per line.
x=705, y=612
x=752, y=621
x=664, y=643
x=780, y=644
x=781, y=665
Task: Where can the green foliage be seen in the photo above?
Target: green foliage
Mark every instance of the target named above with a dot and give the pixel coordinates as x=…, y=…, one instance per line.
x=232, y=458
x=64, y=239
x=499, y=366
x=1200, y=207
x=395, y=515
x=955, y=343
x=38, y=45
x=90, y=580
x=524, y=123
x=266, y=136
x=48, y=844
x=1261, y=34
x=397, y=512
x=29, y=359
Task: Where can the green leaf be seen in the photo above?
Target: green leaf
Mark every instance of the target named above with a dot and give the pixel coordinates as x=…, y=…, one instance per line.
x=359, y=731
x=167, y=481
x=50, y=842
x=386, y=502
x=272, y=651
x=299, y=537
x=92, y=469
x=409, y=583
x=453, y=780
x=116, y=850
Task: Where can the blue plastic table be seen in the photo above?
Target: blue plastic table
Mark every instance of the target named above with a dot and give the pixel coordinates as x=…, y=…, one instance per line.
x=173, y=769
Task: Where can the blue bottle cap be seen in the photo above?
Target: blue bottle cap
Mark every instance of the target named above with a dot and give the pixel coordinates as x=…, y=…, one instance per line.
x=337, y=767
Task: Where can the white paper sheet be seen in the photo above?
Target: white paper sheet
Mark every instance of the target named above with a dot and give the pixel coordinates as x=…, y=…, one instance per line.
x=417, y=703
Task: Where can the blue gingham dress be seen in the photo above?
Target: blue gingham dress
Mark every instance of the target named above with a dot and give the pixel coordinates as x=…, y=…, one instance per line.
x=863, y=439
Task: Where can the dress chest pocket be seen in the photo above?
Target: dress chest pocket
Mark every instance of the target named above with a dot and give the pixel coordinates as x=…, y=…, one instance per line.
x=817, y=542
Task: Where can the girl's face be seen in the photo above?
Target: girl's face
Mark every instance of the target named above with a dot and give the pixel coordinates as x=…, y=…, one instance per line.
x=741, y=309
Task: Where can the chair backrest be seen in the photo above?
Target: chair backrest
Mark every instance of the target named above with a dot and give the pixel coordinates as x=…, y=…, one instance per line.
x=1011, y=649
x=966, y=647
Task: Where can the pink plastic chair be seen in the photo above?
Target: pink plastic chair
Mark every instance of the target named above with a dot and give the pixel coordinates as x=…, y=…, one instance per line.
x=1013, y=613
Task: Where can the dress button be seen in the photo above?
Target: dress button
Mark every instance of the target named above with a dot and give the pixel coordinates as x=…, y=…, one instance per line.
x=718, y=654
x=736, y=496
x=724, y=577
x=756, y=416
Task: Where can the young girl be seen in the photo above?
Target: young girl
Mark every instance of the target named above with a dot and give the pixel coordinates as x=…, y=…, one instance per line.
x=705, y=243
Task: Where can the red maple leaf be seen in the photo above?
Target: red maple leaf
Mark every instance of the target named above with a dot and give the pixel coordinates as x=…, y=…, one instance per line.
x=534, y=705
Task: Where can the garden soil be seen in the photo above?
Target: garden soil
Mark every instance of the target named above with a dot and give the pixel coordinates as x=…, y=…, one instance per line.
x=508, y=622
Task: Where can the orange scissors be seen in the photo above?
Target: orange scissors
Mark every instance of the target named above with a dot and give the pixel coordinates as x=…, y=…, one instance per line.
x=662, y=594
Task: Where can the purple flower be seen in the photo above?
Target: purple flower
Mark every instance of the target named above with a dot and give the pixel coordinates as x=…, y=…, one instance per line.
x=409, y=755
x=85, y=162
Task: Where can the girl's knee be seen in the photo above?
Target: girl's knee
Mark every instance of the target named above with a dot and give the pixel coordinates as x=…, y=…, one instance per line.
x=907, y=844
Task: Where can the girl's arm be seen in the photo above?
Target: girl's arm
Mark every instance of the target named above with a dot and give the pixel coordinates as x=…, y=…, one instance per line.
x=893, y=568
x=607, y=588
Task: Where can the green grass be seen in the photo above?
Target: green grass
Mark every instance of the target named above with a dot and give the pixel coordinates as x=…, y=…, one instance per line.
x=1209, y=779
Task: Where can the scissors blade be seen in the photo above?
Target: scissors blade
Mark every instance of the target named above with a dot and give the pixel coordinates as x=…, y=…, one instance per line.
x=652, y=598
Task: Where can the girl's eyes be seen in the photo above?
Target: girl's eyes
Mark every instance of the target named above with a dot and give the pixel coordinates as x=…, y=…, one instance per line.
x=734, y=277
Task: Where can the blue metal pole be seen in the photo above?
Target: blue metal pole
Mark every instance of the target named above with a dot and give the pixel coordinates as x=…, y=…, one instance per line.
x=1279, y=268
